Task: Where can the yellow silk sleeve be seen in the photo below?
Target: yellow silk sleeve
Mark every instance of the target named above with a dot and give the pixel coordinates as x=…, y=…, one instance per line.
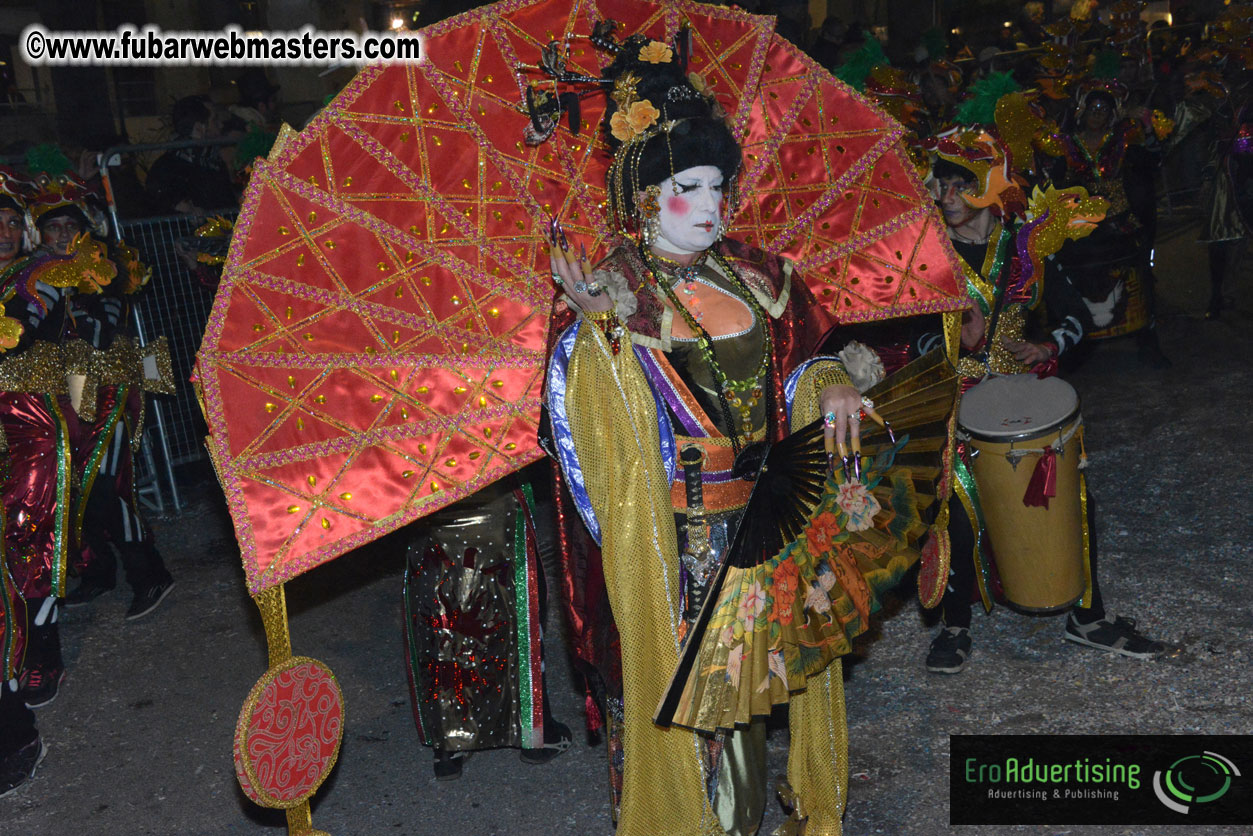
x=613, y=420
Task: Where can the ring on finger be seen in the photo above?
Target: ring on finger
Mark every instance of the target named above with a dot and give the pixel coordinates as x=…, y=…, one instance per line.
x=580, y=286
x=556, y=278
x=854, y=416
x=594, y=289
x=829, y=419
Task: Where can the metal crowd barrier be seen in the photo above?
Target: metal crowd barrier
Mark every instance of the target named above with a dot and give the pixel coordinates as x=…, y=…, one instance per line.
x=175, y=305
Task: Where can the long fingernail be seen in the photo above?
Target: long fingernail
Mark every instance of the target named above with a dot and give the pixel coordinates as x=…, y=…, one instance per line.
x=857, y=465
x=844, y=467
x=565, y=244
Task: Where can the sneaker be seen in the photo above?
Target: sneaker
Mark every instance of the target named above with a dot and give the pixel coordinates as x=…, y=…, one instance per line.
x=563, y=738
x=85, y=593
x=148, y=599
x=1117, y=636
x=19, y=767
x=39, y=686
x=949, y=650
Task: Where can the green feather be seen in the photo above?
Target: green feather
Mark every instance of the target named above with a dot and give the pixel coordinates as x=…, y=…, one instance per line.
x=1107, y=64
x=256, y=143
x=980, y=109
x=856, y=69
x=47, y=159
x=934, y=43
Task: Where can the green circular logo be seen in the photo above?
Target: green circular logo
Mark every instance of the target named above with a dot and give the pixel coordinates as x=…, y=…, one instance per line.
x=1194, y=779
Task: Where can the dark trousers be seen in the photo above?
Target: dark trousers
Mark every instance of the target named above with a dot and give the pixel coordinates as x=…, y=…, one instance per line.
x=17, y=722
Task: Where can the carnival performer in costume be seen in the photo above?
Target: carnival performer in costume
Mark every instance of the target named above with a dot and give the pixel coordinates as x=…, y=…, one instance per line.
x=1095, y=156
x=474, y=612
x=38, y=421
x=1228, y=195
x=682, y=341
x=110, y=416
x=21, y=747
x=1008, y=274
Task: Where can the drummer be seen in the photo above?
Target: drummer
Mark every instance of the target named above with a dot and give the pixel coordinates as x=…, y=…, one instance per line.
x=994, y=340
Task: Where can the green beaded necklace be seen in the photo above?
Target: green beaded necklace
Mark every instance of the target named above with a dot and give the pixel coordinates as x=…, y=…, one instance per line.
x=742, y=394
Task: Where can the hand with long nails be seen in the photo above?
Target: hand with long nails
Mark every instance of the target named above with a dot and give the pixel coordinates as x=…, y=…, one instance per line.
x=841, y=408
x=572, y=272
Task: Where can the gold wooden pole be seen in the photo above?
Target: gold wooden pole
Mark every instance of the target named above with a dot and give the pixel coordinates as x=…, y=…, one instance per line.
x=273, y=606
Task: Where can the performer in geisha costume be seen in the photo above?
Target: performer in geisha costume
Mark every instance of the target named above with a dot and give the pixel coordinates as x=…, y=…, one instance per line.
x=110, y=425
x=680, y=339
x=21, y=748
x=1005, y=241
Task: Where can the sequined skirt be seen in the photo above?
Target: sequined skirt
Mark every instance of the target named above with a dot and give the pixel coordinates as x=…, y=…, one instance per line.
x=471, y=622
x=36, y=490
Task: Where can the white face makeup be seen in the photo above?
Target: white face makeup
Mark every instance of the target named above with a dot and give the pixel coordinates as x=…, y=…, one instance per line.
x=691, y=207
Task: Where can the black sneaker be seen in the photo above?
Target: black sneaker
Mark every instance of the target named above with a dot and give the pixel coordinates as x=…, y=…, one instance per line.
x=19, y=767
x=561, y=740
x=949, y=650
x=85, y=593
x=1117, y=636
x=148, y=599
x=40, y=685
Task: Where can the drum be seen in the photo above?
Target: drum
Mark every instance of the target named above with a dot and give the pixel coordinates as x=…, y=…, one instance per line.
x=1008, y=421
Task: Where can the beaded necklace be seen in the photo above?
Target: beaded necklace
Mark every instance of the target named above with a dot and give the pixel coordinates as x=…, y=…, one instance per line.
x=687, y=276
x=742, y=394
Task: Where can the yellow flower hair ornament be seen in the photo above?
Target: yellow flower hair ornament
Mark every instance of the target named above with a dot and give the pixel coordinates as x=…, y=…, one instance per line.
x=637, y=119
x=655, y=52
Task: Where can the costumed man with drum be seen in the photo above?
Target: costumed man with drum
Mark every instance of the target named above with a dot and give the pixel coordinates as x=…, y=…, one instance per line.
x=1019, y=495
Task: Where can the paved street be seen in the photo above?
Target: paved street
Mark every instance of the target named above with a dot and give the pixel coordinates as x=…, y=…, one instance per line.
x=140, y=737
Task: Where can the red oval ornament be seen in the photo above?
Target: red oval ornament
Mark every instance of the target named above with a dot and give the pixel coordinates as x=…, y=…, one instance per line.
x=289, y=732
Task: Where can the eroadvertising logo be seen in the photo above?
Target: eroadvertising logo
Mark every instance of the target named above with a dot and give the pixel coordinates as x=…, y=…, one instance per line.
x=1089, y=779
x=1211, y=772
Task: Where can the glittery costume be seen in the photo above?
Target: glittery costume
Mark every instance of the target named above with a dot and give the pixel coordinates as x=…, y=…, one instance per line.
x=1111, y=266
x=994, y=273
x=618, y=420
x=33, y=404
x=106, y=510
x=473, y=623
